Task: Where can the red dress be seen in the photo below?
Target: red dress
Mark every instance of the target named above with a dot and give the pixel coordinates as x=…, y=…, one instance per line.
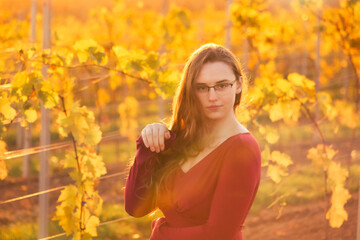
x=209, y=202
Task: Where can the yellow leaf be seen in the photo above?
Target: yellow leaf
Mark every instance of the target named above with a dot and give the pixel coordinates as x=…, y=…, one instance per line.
x=95, y=165
x=275, y=173
x=63, y=122
x=91, y=225
x=337, y=214
x=243, y=115
x=77, y=236
x=330, y=152
x=30, y=115
x=321, y=155
x=336, y=174
x=327, y=105
x=283, y=85
x=5, y=108
x=70, y=161
x=276, y=112
x=90, y=49
x=66, y=219
x=255, y=94
x=47, y=95
x=93, y=135
x=301, y=81
x=265, y=156
x=281, y=159
x=120, y=52
x=2, y=148
x=347, y=114
x=95, y=203
x=20, y=79
x=85, y=44
x=271, y=134
x=292, y=113
x=68, y=196
x=83, y=56
x=296, y=79
x=3, y=170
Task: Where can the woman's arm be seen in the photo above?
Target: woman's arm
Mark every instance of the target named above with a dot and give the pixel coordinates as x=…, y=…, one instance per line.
x=236, y=189
x=139, y=198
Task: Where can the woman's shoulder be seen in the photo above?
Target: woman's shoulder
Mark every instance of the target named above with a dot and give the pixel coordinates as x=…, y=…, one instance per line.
x=242, y=144
x=243, y=139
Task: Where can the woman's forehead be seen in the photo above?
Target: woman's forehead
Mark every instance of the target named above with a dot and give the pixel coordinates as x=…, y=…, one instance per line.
x=215, y=72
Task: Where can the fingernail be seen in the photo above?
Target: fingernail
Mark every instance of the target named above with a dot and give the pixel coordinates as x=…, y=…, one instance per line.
x=152, y=149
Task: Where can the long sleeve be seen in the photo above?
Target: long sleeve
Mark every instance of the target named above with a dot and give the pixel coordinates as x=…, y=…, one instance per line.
x=139, y=198
x=234, y=194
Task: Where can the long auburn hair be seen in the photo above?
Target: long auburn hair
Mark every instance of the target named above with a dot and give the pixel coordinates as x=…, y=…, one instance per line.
x=187, y=119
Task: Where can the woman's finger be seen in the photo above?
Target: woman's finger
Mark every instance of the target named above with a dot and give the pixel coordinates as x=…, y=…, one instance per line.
x=156, y=138
x=167, y=134
x=144, y=137
x=162, y=139
x=149, y=135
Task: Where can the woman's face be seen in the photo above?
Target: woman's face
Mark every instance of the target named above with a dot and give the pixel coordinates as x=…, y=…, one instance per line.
x=218, y=100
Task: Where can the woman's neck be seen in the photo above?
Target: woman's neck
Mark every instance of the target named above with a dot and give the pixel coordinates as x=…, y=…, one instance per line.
x=222, y=129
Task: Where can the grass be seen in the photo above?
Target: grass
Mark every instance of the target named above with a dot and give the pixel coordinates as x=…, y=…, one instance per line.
x=26, y=231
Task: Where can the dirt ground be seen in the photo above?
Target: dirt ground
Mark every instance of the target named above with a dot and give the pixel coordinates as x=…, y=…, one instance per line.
x=304, y=222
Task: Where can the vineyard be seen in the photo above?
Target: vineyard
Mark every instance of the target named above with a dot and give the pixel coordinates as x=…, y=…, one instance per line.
x=80, y=79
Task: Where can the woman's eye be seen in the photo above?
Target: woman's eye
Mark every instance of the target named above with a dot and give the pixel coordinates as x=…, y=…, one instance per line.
x=201, y=88
x=222, y=85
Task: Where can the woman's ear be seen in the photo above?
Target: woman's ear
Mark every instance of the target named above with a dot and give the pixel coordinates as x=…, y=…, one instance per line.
x=239, y=85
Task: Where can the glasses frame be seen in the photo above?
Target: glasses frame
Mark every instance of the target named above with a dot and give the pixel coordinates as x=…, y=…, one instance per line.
x=214, y=86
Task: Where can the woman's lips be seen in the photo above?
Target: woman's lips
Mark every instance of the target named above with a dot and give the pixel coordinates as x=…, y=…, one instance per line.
x=214, y=107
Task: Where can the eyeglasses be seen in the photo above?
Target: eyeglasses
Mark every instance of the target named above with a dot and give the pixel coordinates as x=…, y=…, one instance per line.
x=220, y=87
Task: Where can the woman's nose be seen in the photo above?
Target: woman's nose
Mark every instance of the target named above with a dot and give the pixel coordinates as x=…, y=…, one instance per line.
x=212, y=94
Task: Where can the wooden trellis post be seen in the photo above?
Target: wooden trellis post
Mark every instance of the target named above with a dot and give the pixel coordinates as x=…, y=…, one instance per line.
x=45, y=134
x=228, y=25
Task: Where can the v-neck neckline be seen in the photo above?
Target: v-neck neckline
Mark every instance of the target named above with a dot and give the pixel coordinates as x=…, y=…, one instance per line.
x=210, y=153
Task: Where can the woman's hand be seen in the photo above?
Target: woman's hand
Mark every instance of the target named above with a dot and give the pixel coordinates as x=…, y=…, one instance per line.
x=154, y=136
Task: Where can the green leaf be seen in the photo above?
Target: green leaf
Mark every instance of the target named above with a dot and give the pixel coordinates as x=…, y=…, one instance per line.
x=153, y=60
x=184, y=19
x=136, y=65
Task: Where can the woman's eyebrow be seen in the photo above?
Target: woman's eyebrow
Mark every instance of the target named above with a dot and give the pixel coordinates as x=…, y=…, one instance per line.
x=217, y=82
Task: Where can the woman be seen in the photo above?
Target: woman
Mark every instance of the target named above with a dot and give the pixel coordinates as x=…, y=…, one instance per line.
x=204, y=172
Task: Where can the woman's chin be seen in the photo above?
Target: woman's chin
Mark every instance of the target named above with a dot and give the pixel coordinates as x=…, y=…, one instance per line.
x=214, y=116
